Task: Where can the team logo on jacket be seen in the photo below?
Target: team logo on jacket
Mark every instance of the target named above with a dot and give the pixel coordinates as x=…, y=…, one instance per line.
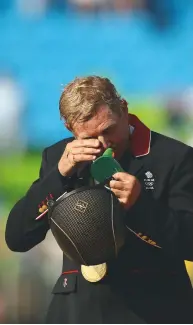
x=149, y=181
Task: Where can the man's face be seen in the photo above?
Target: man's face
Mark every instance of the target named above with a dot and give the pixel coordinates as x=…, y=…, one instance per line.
x=110, y=129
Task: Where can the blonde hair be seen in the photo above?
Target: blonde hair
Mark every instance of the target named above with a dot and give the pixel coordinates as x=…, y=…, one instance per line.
x=82, y=97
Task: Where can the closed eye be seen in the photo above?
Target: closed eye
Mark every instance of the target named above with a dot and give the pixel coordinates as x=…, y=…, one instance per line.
x=109, y=129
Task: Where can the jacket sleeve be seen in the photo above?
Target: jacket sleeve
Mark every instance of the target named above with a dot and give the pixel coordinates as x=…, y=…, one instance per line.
x=23, y=231
x=169, y=221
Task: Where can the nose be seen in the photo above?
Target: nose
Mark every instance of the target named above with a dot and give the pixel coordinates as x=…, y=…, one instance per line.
x=105, y=141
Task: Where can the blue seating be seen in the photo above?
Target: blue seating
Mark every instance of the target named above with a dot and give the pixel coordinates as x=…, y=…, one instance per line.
x=49, y=52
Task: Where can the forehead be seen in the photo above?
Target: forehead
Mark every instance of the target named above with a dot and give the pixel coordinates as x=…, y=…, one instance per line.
x=97, y=124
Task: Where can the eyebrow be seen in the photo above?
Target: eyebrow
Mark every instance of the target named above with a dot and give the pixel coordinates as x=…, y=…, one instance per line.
x=106, y=129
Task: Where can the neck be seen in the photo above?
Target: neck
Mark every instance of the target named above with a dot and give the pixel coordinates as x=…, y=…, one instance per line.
x=124, y=148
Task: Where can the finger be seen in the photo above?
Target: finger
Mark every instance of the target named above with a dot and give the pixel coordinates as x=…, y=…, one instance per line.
x=122, y=198
x=121, y=176
x=118, y=193
x=89, y=143
x=82, y=158
x=119, y=185
x=122, y=201
x=85, y=151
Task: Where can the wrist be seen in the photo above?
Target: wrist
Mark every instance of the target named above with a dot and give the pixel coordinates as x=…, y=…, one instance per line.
x=65, y=168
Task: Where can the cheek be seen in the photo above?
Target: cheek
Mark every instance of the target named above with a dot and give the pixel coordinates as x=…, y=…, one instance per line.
x=116, y=138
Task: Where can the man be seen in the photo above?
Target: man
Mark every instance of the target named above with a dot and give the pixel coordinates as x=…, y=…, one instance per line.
x=148, y=279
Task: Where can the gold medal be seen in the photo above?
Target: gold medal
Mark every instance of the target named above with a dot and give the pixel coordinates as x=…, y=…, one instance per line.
x=94, y=273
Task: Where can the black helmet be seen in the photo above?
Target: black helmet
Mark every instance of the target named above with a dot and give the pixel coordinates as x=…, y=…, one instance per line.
x=88, y=224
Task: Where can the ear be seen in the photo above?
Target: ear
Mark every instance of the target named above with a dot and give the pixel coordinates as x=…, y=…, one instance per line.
x=68, y=127
x=124, y=106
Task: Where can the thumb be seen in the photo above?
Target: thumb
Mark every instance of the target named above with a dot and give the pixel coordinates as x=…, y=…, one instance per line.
x=120, y=176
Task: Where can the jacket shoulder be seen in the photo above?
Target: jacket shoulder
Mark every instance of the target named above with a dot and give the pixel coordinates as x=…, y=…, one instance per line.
x=168, y=146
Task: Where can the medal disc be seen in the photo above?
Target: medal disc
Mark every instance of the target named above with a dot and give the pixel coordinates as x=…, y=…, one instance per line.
x=94, y=273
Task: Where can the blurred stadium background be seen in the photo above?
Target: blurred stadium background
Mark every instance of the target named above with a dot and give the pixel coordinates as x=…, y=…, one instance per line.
x=144, y=46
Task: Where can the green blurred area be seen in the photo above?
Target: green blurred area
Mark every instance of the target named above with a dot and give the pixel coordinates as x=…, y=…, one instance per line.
x=18, y=172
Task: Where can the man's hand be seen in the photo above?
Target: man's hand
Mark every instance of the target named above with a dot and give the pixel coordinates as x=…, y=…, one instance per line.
x=126, y=187
x=76, y=152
